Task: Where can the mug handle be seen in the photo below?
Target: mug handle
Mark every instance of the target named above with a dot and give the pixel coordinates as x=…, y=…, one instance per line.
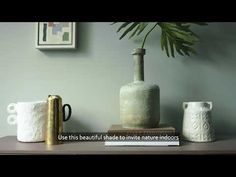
x=185, y=105
x=210, y=104
x=11, y=108
x=64, y=112
x=12, y=120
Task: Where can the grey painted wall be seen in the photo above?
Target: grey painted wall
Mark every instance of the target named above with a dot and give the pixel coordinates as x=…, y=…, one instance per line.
x=90, y=78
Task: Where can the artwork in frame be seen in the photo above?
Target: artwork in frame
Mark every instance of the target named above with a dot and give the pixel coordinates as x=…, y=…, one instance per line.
x=56, y=35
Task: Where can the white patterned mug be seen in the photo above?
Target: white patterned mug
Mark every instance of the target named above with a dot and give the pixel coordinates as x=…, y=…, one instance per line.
x=197, y=122
x=30, y=118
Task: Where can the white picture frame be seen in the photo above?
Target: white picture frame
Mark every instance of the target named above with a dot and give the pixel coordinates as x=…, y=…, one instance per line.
x=56, y=35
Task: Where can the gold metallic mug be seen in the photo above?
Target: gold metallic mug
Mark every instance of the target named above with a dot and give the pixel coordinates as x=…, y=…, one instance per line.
x=56, y=116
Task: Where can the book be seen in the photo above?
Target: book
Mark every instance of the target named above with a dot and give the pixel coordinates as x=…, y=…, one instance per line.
x=163, y=135
x=162, y=129
x=142, y=143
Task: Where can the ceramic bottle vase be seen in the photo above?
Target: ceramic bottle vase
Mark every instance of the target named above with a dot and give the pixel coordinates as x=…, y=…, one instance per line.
x=139, y=101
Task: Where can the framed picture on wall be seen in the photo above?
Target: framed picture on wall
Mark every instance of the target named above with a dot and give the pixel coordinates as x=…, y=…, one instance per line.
x=56, y=35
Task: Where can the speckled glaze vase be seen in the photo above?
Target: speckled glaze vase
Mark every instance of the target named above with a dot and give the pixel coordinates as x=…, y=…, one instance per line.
x=139, y=101
x=197, y=122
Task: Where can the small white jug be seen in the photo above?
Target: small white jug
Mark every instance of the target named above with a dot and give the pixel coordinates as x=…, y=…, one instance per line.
x=197, y=122
x=30, y=118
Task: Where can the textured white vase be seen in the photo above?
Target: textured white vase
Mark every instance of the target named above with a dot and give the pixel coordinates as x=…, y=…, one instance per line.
x=197, y=122
x=139, y=101
x=30, y=118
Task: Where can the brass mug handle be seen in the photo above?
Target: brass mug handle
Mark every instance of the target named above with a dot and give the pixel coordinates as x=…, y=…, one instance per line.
x=64, y=112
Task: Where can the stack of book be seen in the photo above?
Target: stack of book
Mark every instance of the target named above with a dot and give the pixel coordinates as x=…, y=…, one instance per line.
x=163, y=135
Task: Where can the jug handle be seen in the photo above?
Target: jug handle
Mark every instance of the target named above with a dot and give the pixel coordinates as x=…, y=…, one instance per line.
x=210, y=104
x=11, y=108
x=185, y=105
x=64, y=112
x=12, y=119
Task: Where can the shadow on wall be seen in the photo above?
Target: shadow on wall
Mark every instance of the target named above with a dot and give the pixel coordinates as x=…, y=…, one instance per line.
x=218, y=48
x=172, y=116
x=217, y=41
x=74, y=125
x=223, y=122
x=83, y=37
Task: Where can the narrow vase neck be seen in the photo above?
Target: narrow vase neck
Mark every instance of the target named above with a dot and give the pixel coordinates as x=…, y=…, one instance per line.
x=138, y=64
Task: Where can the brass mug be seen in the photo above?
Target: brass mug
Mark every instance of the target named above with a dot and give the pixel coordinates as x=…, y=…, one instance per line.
x=56, y=116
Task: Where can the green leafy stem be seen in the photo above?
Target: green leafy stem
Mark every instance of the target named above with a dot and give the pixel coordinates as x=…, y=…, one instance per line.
x=175, y=36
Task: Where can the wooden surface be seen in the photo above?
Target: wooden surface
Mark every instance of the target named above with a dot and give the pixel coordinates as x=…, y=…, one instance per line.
x=9, y=145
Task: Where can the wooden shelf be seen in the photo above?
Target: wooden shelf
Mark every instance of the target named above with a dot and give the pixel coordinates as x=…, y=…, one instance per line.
x=10, y=145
